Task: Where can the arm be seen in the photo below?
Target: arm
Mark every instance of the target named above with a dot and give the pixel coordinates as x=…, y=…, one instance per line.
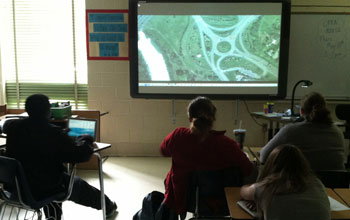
x=238, y=157
x=247, y=192
x=74, y=151
x=165, y=147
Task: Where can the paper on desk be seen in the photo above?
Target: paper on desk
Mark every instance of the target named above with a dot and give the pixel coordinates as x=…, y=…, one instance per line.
x=337, y=206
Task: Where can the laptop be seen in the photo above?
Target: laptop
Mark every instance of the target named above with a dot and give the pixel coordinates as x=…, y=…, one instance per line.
x=82, y=126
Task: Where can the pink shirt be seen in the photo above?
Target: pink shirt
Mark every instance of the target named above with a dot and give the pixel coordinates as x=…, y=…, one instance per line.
x=188, y=154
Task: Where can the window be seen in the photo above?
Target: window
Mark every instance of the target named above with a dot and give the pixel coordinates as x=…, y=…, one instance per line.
x=43, y=50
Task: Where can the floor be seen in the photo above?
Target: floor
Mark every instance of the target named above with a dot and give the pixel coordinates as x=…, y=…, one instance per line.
x=127, y=180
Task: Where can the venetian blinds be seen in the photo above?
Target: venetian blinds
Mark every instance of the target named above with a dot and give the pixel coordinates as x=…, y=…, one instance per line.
x=43, y=50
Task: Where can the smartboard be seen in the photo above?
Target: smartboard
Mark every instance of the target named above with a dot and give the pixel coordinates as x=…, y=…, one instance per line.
x=320, y=51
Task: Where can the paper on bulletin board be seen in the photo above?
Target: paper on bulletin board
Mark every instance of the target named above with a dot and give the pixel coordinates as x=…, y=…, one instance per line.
x=107, y=34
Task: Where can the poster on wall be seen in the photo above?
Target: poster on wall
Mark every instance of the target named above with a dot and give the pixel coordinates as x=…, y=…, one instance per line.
x=107, y=34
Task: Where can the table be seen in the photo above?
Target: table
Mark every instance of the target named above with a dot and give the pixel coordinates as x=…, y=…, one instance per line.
x=256, y=151
x=338, y=214
x=233, y=195
x=272, y=118
x=344, y=194
x=98, y=148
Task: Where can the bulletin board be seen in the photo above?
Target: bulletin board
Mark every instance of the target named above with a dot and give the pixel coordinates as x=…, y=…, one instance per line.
x=107, y=34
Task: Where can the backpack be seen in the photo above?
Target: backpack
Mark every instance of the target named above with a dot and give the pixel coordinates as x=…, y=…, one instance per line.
x=154, y=209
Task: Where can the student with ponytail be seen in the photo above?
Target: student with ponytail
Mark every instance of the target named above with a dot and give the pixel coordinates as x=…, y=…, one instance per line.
x=198, y=148
x=317, y=136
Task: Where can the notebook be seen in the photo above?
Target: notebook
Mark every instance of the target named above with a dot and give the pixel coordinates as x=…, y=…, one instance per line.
x=81, y=126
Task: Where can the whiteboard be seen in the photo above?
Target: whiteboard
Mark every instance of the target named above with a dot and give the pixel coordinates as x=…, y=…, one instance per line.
x=319, y=51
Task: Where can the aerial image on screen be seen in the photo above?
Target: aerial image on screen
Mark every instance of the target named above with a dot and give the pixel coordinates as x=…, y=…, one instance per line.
x=208, y=48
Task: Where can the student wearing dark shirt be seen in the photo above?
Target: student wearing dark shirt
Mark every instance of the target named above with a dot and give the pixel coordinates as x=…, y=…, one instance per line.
x=42, y=148
x=198, y=148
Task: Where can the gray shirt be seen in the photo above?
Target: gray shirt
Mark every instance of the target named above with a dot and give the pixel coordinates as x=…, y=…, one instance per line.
x=322, y=144
x=313, y=203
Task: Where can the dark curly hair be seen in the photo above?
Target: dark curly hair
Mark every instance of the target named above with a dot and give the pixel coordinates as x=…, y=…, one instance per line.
x=38, y=106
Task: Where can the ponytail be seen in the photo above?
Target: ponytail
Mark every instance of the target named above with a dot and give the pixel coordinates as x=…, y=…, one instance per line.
x=201, y=113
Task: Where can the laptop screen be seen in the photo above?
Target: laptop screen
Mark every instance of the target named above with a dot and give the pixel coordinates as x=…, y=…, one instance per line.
x=80, y=126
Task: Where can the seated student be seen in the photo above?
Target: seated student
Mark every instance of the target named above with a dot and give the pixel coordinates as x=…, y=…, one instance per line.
x=287, y=189
x=42, y=148
x=317, y=136
x=198, y=148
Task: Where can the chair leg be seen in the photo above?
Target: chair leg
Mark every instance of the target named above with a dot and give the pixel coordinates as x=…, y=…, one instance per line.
x=196, y=211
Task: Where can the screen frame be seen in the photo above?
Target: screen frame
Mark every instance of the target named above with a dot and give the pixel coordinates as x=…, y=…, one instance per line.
x=283, y=62
x=83, y=119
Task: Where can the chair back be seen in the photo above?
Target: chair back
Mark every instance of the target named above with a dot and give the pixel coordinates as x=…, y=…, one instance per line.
x=16, y=188
x=206, y=185
x=8, y=169
x=15, y=183
x=334, y=178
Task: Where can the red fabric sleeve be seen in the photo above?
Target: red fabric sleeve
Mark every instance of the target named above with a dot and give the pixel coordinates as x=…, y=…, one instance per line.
x=239, y=158
x=165, y=145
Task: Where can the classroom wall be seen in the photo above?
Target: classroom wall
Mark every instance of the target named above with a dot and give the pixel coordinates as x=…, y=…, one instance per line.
x=136, y=127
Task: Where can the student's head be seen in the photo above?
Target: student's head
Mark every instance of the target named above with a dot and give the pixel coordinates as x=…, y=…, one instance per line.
x=201, y=113
x=38, y=106
x=286, y=171
x=313, y=108
x=287, y=162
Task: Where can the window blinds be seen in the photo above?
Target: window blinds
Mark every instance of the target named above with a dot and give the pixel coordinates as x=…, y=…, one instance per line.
x=43, y=48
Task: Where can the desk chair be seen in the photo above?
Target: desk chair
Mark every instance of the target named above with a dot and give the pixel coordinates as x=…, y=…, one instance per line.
x=334, y=178
x=17, y=196
x=206, y=196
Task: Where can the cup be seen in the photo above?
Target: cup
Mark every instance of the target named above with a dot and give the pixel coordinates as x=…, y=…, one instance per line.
x=239, y=136
x=270, y=107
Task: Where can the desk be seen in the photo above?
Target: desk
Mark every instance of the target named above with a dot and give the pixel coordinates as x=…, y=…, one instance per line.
x=344, y=194
x=256, y=151
x=233, y=195
x=272, y=118
x=98, y=148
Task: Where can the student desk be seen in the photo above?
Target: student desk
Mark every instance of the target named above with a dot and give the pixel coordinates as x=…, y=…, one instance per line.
x=344, y=194
x=233, y=195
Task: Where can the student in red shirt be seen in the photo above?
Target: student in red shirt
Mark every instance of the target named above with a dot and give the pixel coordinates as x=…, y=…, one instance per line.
x=198, y=148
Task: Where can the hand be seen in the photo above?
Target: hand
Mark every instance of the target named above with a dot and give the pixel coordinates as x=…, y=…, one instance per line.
x=85, y=137
x=250, y=205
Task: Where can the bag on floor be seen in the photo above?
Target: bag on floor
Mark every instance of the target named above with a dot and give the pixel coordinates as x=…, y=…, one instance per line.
x=153, y=208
